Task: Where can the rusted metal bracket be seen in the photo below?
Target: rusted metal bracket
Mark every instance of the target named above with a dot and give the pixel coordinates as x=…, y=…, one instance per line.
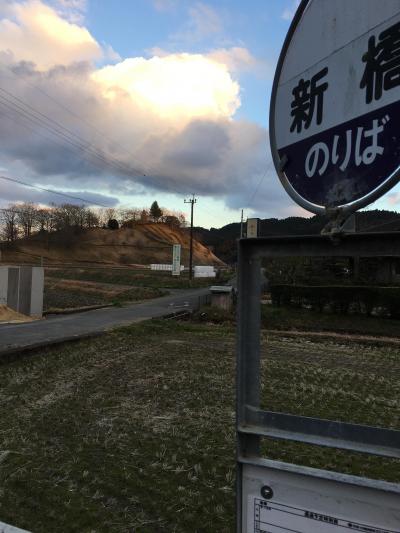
x=338, y=216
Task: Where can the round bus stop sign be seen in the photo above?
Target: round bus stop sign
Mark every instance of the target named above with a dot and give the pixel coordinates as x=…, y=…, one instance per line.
x=335, y=106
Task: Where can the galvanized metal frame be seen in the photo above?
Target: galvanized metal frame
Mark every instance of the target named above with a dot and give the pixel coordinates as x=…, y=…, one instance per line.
x=345, y=210
x=253, y=423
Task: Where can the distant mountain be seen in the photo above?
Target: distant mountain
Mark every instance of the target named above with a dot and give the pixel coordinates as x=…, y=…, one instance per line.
x=222, y=241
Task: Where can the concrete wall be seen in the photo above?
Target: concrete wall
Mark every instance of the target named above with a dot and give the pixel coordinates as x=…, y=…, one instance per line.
x=21, y=289
x=3, y=285
x=36, y=309
x=13, y=288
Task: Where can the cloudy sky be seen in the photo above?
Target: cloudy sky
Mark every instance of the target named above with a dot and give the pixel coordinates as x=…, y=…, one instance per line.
x=122, y=102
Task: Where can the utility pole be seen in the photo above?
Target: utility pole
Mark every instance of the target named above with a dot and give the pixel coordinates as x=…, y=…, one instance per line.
x=191, y=201
x=241, y=225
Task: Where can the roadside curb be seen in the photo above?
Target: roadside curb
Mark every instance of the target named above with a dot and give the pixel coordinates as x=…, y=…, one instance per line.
x=336, y=336
x=15, y=350
x=73, y=310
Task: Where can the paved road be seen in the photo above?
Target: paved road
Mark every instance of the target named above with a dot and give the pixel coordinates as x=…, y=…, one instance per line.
x=17, y=337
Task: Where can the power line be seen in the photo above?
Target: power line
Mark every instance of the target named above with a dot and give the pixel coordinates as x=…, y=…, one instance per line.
x=83, y=120
x=29, y=113
x=57, y=130
x=23, y=109
x=14, y=180
x=35, y=121
x=256, y=189
x=47, y=137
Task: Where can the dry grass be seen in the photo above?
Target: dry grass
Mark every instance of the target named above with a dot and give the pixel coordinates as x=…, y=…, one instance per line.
x=64, y=294
x=8, y=315
x=143, y=244
x=132, y=277
x=117, y=434
x=134, y=431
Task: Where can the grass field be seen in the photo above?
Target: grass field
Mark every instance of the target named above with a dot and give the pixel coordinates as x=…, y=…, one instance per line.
x=288, y=318
x=137, y=278
x=60, y=295
x=304, y=320
x=134, y=431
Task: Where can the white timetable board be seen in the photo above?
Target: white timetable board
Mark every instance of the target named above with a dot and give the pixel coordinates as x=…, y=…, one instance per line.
x=305, y=504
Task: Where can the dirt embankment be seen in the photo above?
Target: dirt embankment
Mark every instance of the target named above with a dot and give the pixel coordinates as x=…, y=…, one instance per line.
x=143, y=244
x=9, y=315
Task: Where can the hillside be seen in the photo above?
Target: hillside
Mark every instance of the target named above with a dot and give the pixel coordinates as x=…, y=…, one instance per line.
x=142, y=245
x=223, y=240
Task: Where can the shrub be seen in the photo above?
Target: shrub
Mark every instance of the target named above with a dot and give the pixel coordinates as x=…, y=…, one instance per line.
x=113, y=224
x=339, y=299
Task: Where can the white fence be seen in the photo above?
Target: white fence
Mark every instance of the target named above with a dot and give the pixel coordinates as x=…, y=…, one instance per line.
x=166, y=268
x=199, y=271
x=204, y=272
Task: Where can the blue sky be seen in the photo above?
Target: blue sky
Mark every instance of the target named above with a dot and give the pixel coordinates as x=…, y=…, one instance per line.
x=172, y=95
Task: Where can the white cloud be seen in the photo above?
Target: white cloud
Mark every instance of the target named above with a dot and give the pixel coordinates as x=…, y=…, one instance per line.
x=205, y=19
x=164, y=5
x=178, y=86
x=203, y=22
x=393, y=199
x=14, y=192
x=73, y=11
x=79, y=5
x=35, y=32
x=166, y=122
x=236, y=58
x=290, y=11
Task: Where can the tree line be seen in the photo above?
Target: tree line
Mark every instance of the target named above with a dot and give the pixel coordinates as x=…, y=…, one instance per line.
x=21, y=220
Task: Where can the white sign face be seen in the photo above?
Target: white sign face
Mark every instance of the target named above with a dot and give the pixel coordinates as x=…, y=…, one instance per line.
x=252, y=227
x=336, y=100
x=176, y=260
x=305, y=504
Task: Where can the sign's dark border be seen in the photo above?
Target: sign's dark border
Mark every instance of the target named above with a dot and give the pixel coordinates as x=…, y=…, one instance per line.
x=391, y=180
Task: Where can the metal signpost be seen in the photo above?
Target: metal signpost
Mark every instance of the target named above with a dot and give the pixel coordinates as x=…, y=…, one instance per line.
x=252, y=227
x=336, y=147
x=176, y=259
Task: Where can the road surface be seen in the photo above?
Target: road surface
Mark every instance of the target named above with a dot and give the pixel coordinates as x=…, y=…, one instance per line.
x=18, y=337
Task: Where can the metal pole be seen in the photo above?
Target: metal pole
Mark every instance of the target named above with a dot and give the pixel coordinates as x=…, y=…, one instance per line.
x=191, y=201
x=241, y=225
x=191, y=242
x=248, y=357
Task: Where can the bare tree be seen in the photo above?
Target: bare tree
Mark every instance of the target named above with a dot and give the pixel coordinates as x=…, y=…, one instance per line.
x=45, y=220
x=105, y=214
x=182, y=220
x=144, y=215
x=173, y=218
x=26, y=218
x=9, y=218
x=69, y=216
x=91, y=219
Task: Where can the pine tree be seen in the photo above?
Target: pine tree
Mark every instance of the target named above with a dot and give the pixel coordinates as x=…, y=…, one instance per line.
x=155, y=211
